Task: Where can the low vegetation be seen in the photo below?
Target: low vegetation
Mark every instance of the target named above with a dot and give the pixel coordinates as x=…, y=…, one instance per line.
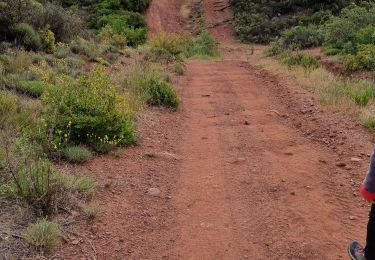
x=43, y=234
x=353, y=96
x=76, y=154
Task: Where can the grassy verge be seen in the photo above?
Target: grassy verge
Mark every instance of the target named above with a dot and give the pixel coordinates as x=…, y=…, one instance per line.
x=353, y=96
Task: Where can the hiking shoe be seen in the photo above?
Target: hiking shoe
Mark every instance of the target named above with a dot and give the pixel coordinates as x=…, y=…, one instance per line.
x=356, y=251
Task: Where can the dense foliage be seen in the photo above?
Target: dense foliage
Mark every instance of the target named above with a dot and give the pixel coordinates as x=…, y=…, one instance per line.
x=36, y=25
x=260, y=21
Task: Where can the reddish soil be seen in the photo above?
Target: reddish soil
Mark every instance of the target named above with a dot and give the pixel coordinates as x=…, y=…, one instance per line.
x=251, y=167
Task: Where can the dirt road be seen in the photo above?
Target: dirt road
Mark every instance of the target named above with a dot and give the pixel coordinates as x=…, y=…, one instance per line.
x=251, y=186
x=251, y=167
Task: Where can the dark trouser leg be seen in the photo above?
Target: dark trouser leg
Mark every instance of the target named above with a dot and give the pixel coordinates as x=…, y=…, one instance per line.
x=370, y=247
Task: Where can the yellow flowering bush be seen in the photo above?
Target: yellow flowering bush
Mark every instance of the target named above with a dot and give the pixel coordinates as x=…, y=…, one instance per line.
x=88, y=111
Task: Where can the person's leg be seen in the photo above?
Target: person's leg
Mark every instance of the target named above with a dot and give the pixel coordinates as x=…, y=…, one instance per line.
x=370, y=247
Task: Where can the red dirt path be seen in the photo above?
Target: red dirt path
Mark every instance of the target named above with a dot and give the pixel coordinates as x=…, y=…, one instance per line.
x=246, y=169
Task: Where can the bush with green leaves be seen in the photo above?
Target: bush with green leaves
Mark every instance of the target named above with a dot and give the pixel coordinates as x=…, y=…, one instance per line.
x=363, y=59
x=48, y=39
x=167, y=48
x=301, y=37
x=108, y=36
x=161, y=93
x=88, y=111
x=25, y=35
x=43, y=234
x=203, y=46
x=150, y=85
x=352, y=26
x=262, y=21
x=129, y=24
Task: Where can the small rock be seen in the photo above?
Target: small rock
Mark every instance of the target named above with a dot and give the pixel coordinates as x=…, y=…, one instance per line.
x=75, y=242
x=239, y=160
x=293, y=193
x=322, y=161
x=352, y=218
x=155, y=192
x=247, y=122
x=355, y=159
x=340, y=164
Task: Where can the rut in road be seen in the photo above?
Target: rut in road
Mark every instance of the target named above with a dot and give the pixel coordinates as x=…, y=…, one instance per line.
x=251, y=186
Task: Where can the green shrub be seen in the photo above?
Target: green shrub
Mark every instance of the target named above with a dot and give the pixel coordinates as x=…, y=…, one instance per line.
x=64, y=23
x=135, y=36
x=321, y=17
x=160, y=93
x=149, y=85
x=48, y=40
x=43, y=234
x=76, y=154
x=363, y=59
x=351, y=25
x=262, y=21
x=107, y=35
x=171, y=43
x=351, y=63
x=90, y=111
x=203, y=46
x=301, y=37
x=129, y=24
x=366, y=35
x=25, y=36
x=366, y=56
